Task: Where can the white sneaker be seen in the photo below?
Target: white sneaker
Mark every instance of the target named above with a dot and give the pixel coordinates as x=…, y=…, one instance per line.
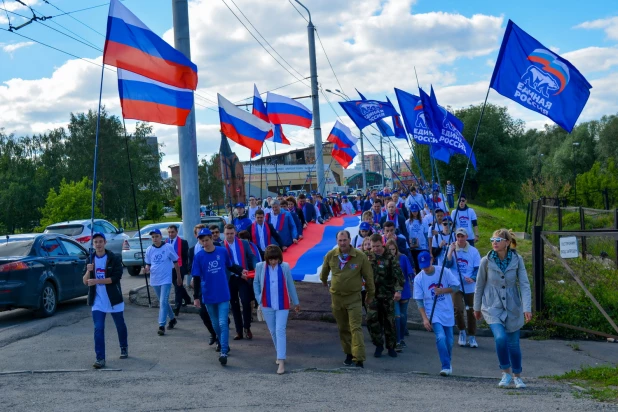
x=472, y=342
x=446, y=372
x=519, y=384
x=462, y=338
x=506, y=380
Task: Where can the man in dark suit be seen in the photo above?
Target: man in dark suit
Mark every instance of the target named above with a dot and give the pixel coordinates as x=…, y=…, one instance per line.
x=240, y=286
x=367, y=205
x=397, y=218
x=260, y=231
x=307, y=207
x=181, y=247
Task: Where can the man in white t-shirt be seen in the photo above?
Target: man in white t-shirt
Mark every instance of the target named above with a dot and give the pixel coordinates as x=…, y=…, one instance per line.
x=103, y=275
x=253, y=207
x=160, y=260
x=466, y=218
x=440, y=320
x=464, y=261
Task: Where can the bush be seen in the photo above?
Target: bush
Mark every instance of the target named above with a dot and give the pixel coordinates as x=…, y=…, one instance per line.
x=154, y=211
x=178, y=207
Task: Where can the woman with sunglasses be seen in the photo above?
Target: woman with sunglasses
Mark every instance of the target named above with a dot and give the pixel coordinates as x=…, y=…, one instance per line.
x=439, y=242
x=503, y=298
x=274, y=289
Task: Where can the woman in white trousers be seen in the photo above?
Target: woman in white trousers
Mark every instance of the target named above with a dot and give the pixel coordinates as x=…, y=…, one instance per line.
x=274, y=289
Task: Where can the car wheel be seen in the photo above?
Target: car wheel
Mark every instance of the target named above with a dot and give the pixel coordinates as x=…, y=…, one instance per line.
x=48, y=301
x=134, y=270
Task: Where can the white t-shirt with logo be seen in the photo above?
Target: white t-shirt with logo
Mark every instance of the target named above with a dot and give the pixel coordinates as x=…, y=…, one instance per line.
x=101, y=299
x=424, y=286
x=251, y=214
x=161, y=260
x=464, y=220
x=466, y=261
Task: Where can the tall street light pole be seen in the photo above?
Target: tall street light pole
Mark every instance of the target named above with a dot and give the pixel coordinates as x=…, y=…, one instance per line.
x=345, y=97
x=317, y=130
x=382, y=167
x=187, y=141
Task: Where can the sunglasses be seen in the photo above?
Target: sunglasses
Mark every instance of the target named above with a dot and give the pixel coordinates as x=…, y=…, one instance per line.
x=496, y=239
x=446, y=224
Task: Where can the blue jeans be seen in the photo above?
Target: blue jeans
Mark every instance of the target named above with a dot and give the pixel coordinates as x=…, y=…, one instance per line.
x=401, y=318
x=98, y=318
x=277, y=321
x=165, y=309
x=444, y=342
x=450, y=199
x=219, y=314
x=507, y=347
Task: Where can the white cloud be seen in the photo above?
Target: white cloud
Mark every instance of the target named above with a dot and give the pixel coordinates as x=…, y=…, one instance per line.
x=11, y=47
x=609, y=25
x=593, y=59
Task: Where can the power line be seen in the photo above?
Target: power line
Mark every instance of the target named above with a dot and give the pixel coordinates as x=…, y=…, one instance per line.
x=328, y=60
x=272, y=90
x=77, y=20
x=301, y=15
x=71, y=37
x=260, y=43
x=76, y=11
x=260, y=34
x=7, y=15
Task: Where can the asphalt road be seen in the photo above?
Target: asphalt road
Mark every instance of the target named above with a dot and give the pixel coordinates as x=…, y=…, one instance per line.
x=45, y=364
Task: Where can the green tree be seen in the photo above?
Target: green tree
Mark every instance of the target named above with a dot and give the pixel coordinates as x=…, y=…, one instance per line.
x=590, y=185
x=72, y=201
x=178, y=206
x=211, y=187
x=154, y=211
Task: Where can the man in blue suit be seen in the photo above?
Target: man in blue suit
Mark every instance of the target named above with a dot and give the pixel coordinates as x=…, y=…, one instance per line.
x=369, y=202
x=397, y=218
x=307, y=208
x=283, y=224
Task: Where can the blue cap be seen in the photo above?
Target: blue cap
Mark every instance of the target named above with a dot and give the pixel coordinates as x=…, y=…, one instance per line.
x=424, y=259
x=395, y=191
x=240, y=205
x=309, y=198
x=414, y=208
x=381, y=194
x=155, y=232
x=364, y=226
x=98, y=234
x=447, y=218
x=204, y=232
x=344, y=197
x=438, y=210
x=436, y=187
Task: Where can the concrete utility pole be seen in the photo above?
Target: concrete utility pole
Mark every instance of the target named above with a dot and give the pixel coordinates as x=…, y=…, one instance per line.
x=187, y=141
x=317, y=130
x=382, y=159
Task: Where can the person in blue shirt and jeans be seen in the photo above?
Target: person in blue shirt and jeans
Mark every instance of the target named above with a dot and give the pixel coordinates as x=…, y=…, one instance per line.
x=210, y=266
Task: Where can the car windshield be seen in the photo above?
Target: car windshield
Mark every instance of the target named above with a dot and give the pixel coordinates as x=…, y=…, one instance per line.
x=19, y=247
x=145, y=232
x=69, y=230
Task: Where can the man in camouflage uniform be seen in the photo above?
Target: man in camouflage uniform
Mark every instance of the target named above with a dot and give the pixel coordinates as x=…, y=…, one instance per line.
x=389, y=281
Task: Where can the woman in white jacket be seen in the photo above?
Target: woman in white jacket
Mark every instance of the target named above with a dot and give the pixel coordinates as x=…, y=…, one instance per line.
x=274, y=289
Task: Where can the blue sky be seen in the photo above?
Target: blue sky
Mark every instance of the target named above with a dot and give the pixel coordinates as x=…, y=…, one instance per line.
x=452, y=44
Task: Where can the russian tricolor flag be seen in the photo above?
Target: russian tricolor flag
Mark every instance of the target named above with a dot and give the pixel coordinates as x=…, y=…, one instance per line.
x=283, y=110
x=344, y=155
x=242, y=127
x=148, y=100
x=132, y=46
x=341, y=135
x=259, y=108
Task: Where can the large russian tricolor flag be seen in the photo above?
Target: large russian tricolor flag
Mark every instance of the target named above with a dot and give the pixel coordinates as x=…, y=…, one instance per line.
x=259, y=109
x=242, y=127
x=131, y=45
x=148, y=100
x=341, y=135
x=283, y=110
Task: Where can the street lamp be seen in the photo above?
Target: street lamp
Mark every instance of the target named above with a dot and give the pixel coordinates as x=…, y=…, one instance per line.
x=575, y=144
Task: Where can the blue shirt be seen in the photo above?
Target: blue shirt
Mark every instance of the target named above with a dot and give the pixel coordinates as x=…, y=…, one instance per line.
x=408, y=273
x=211, y=268
x=242, y=223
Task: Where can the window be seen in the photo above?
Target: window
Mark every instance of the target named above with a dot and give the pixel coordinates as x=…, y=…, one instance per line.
x=51, y=248
x=69, y=230
x=108, y=227
x=98, y=227
x=72, y=249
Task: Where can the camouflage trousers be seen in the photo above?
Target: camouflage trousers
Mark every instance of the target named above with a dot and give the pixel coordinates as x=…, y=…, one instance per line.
x=381, y=322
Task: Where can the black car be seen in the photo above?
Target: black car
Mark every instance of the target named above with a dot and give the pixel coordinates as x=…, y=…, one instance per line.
x=37, y=271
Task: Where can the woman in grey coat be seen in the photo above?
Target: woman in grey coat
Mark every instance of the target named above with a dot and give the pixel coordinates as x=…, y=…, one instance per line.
x=274, y=289
x=503, y=298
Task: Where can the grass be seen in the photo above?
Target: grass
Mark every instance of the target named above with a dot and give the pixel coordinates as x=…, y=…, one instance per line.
x=600, y=382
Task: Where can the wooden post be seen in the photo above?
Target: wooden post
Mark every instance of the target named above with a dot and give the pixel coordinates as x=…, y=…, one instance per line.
x=559, y=217
x=582, y=226
x=538, y=268
x=542, y=212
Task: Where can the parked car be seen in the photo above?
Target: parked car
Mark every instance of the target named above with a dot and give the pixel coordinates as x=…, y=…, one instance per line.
x=209, y=220
x=80, y=231
x=207, y=211
x=37, y=271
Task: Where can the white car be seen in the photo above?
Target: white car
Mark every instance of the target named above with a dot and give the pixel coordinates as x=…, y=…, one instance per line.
x=81, y=230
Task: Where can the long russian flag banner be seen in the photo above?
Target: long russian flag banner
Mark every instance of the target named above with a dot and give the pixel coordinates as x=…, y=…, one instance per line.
x=145, y=99
x=283, y=110
x=306, y=257
x=131, y=45
x=242, y=127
